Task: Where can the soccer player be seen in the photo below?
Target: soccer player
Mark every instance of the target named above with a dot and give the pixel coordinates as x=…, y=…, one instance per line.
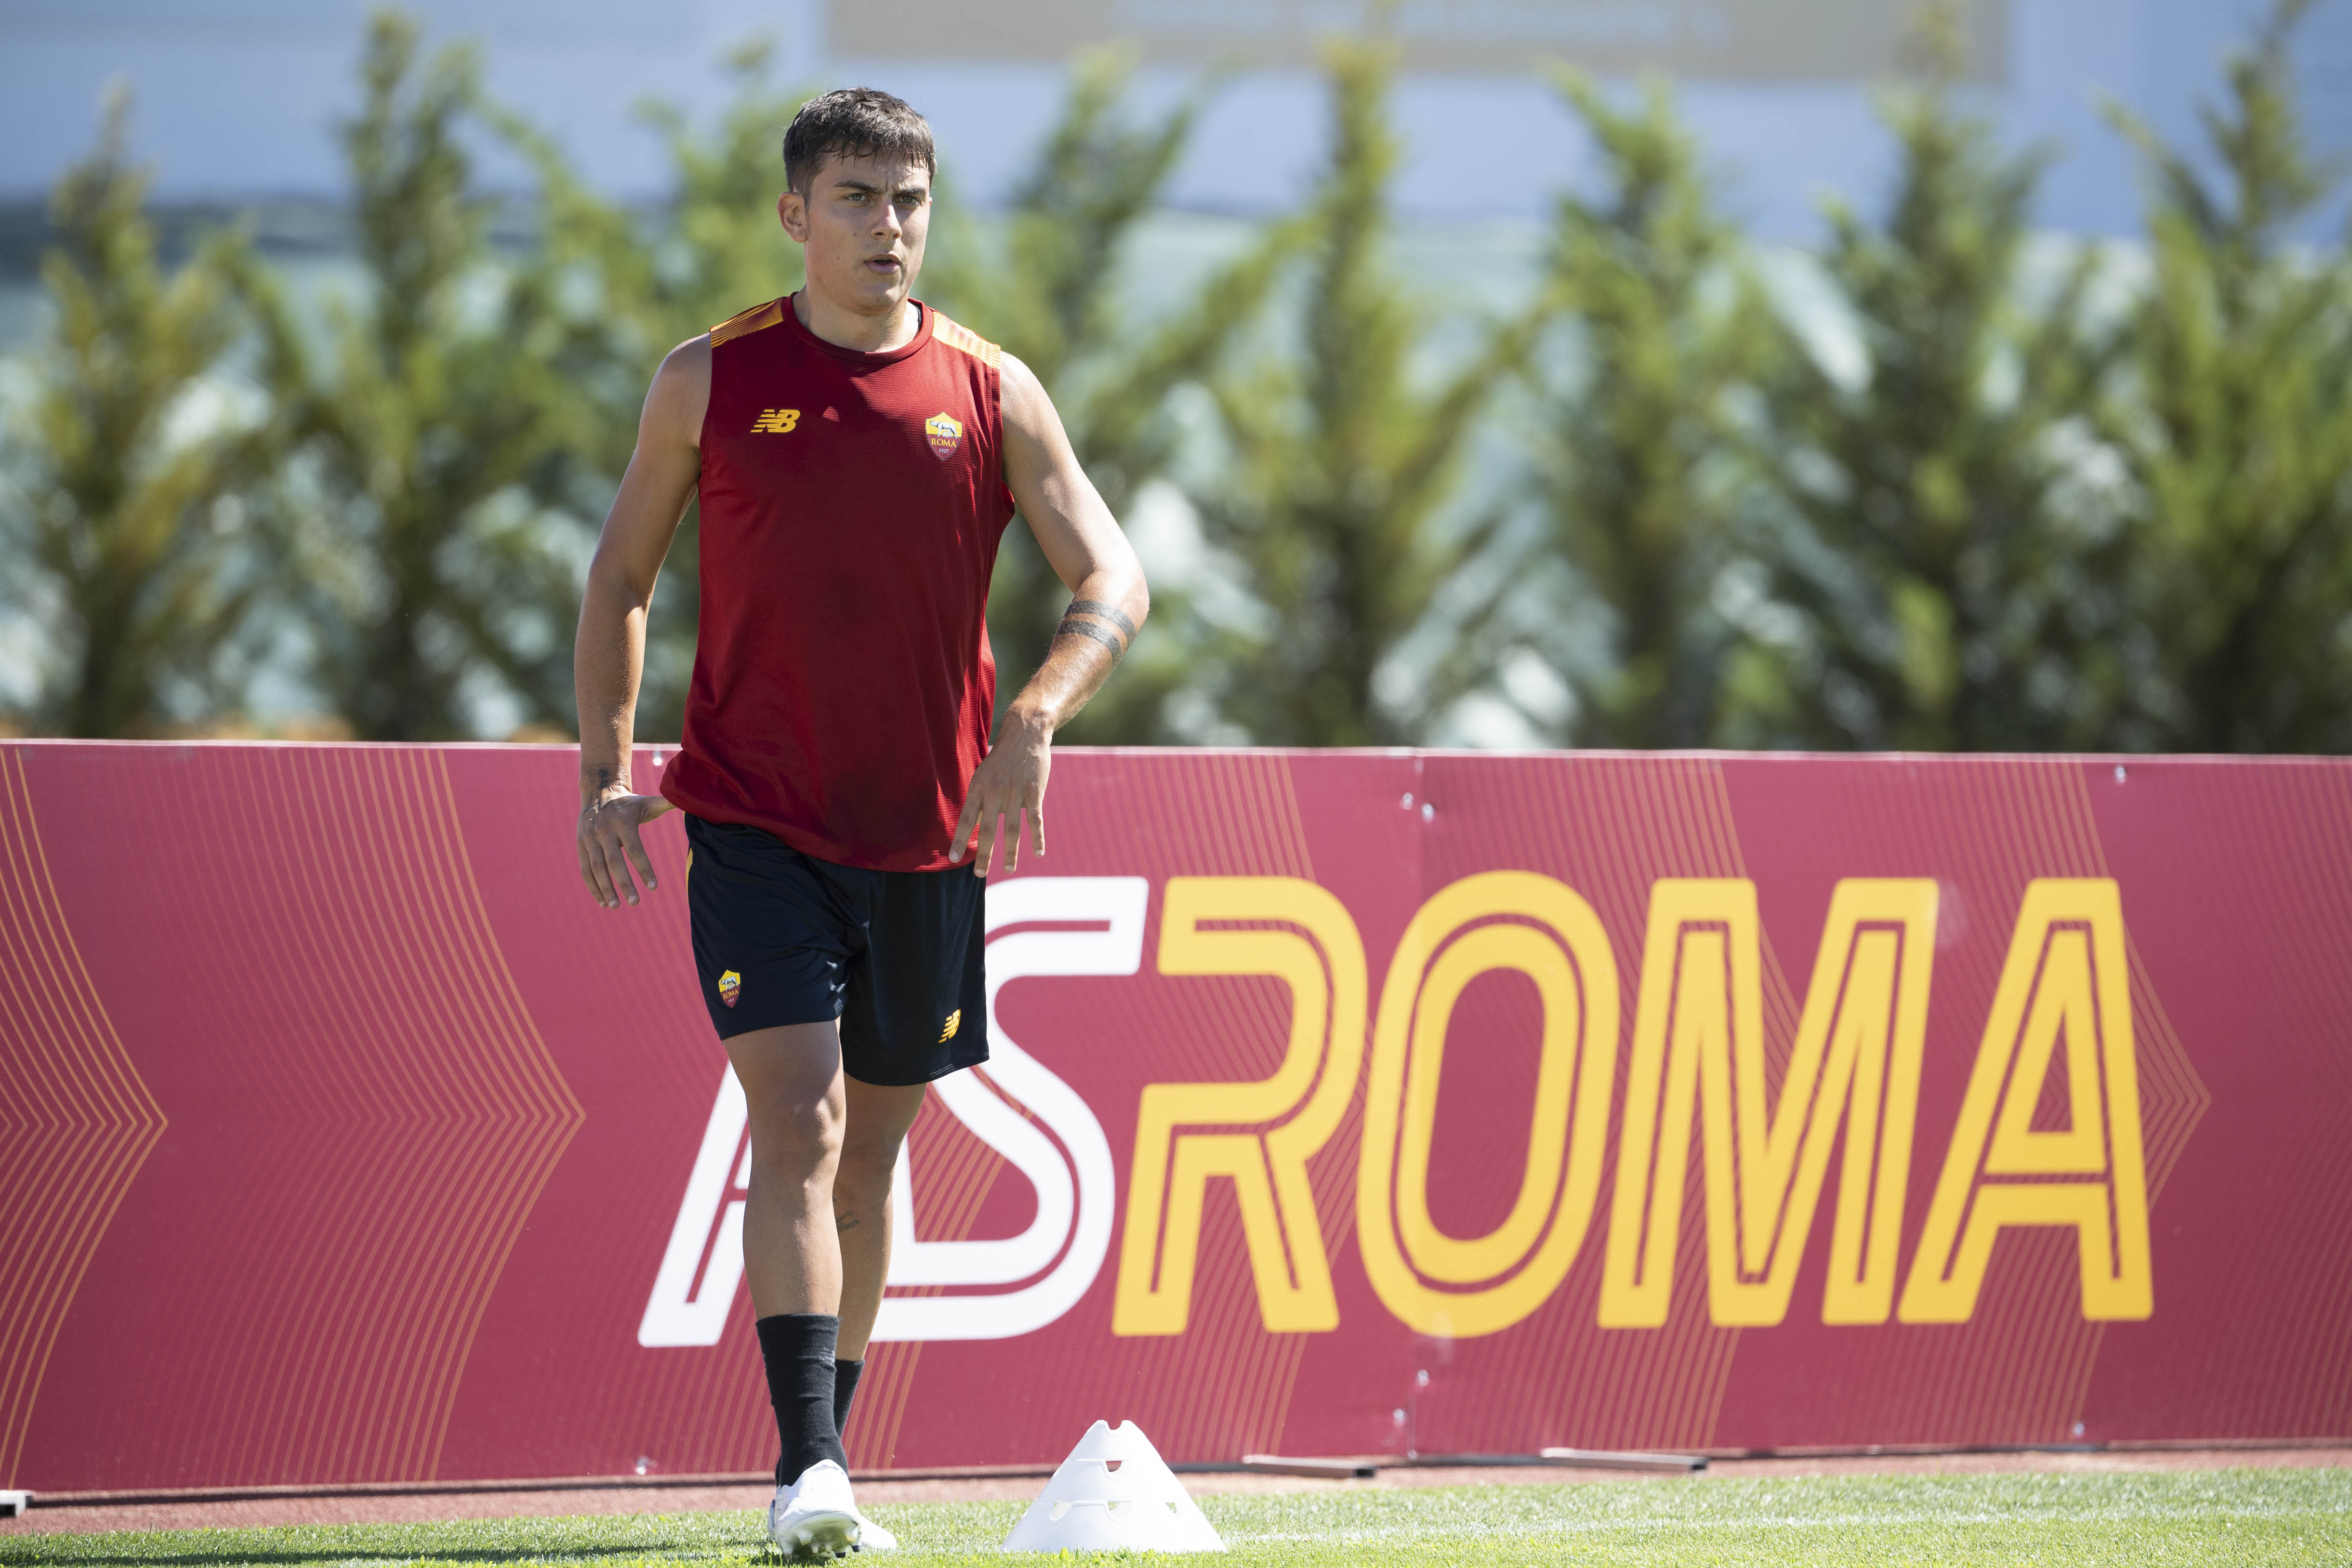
x=857, y=457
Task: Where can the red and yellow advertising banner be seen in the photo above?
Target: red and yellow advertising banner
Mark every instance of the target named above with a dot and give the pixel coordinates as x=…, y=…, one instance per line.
x=1339, y=1103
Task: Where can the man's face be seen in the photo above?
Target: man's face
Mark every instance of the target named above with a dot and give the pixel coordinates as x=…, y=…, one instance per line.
x=862, y=223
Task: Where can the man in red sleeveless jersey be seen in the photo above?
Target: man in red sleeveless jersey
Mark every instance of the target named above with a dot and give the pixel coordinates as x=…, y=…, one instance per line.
x=857, y=457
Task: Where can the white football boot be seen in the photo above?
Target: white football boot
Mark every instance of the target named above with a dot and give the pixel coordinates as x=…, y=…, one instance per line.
x=815, y=1519
x=872, y=1537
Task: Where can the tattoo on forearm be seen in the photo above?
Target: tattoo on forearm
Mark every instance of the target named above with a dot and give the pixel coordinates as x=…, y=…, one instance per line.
x=599, y=776
x=1110, y=612
x=843, y=1219
x=1088, y=629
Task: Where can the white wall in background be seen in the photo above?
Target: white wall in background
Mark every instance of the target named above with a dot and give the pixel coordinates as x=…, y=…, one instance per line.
x=237, y=98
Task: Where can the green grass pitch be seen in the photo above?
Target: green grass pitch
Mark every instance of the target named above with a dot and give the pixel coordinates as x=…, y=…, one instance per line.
x=2274, y=1516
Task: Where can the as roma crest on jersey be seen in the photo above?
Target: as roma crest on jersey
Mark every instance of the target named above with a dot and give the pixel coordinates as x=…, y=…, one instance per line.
x=946, y=435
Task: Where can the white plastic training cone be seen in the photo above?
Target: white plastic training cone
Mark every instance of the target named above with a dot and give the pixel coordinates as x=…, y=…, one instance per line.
x=1114, y=1493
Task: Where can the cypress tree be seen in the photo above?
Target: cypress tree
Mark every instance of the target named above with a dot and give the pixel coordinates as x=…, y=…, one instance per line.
x=2235, y=420
x=1333, y=501
x=1954, y=594
x=134, y=548
x=1638, y=442
x=438, y=555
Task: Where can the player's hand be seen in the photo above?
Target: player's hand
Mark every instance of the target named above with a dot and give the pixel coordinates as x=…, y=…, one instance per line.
x=1008, y=785
x=609, y=845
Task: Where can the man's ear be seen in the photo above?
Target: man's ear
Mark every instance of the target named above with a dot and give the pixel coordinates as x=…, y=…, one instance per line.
x=792, y=210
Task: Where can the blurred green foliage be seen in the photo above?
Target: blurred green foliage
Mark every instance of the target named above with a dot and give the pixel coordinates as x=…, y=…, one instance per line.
x=1954, y=594
x=2017, y=494
x=1657, y=325
x=1332, y=501
x=430, y=447
x=135, y=559
x=2236, y=426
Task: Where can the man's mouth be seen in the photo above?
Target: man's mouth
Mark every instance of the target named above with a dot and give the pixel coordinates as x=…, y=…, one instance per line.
x=884, y=263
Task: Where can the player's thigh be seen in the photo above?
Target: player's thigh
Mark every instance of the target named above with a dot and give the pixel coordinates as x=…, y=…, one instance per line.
x=793, y=1085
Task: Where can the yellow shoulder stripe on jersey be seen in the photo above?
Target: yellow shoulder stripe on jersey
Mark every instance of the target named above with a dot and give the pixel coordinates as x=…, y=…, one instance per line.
x=757, y=319
x=966, y=339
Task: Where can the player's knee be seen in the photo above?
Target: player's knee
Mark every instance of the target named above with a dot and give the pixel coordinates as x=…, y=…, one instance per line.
x=795, y=1133
x=869, y=1158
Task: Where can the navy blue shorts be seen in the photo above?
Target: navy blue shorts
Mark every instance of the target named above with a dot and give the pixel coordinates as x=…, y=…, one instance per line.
x=781, y=938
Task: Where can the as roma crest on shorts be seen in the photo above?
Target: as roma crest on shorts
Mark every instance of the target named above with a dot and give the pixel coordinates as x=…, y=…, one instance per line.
x=729, y=985
x=946, y=435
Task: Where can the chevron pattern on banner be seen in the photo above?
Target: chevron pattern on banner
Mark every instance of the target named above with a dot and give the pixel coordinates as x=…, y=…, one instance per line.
x=336, y=1197
x=1340, y=1102
x=76, y=1122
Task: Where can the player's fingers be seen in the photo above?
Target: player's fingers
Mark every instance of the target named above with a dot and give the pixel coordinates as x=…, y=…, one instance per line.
x=616, y=867
x=989, y=822
x=587, y=873
x=635, y=847
x=591, y=865
x=1037, y=824
x=1013, y=815
x=966, y=821
x=1004, y=823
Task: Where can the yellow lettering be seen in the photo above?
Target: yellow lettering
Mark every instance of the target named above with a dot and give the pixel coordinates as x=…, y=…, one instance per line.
x=2065, y=980
x=1501, y=920
x=1292, y=1113
x=1698, y=1036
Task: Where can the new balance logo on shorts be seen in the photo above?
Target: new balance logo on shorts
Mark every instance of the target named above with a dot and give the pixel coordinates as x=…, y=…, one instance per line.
x=955, y=1022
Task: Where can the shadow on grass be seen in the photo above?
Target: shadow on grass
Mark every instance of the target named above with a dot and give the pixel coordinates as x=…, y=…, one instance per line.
x=340, y=1554
x=613, y=1539
x=499, y=1540
x=226, y=1554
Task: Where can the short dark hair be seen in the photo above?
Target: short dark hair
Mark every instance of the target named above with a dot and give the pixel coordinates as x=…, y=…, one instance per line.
x=855, y=122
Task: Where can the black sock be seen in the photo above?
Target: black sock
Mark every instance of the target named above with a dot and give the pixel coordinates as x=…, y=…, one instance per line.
x=798, y=1349
x=845, y=1390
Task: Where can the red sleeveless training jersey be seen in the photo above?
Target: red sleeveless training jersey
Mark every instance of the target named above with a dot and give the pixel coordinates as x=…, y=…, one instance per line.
x=851, y=509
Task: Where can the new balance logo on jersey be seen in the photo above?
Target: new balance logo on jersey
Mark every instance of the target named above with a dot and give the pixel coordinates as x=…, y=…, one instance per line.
x=945, y=434
x=775, y=421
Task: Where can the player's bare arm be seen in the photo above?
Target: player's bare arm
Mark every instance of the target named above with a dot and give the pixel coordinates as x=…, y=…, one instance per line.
x=1109, y=599
x=608, y=654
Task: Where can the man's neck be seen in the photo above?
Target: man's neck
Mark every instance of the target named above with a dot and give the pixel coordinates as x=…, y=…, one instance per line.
x=875, y=334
